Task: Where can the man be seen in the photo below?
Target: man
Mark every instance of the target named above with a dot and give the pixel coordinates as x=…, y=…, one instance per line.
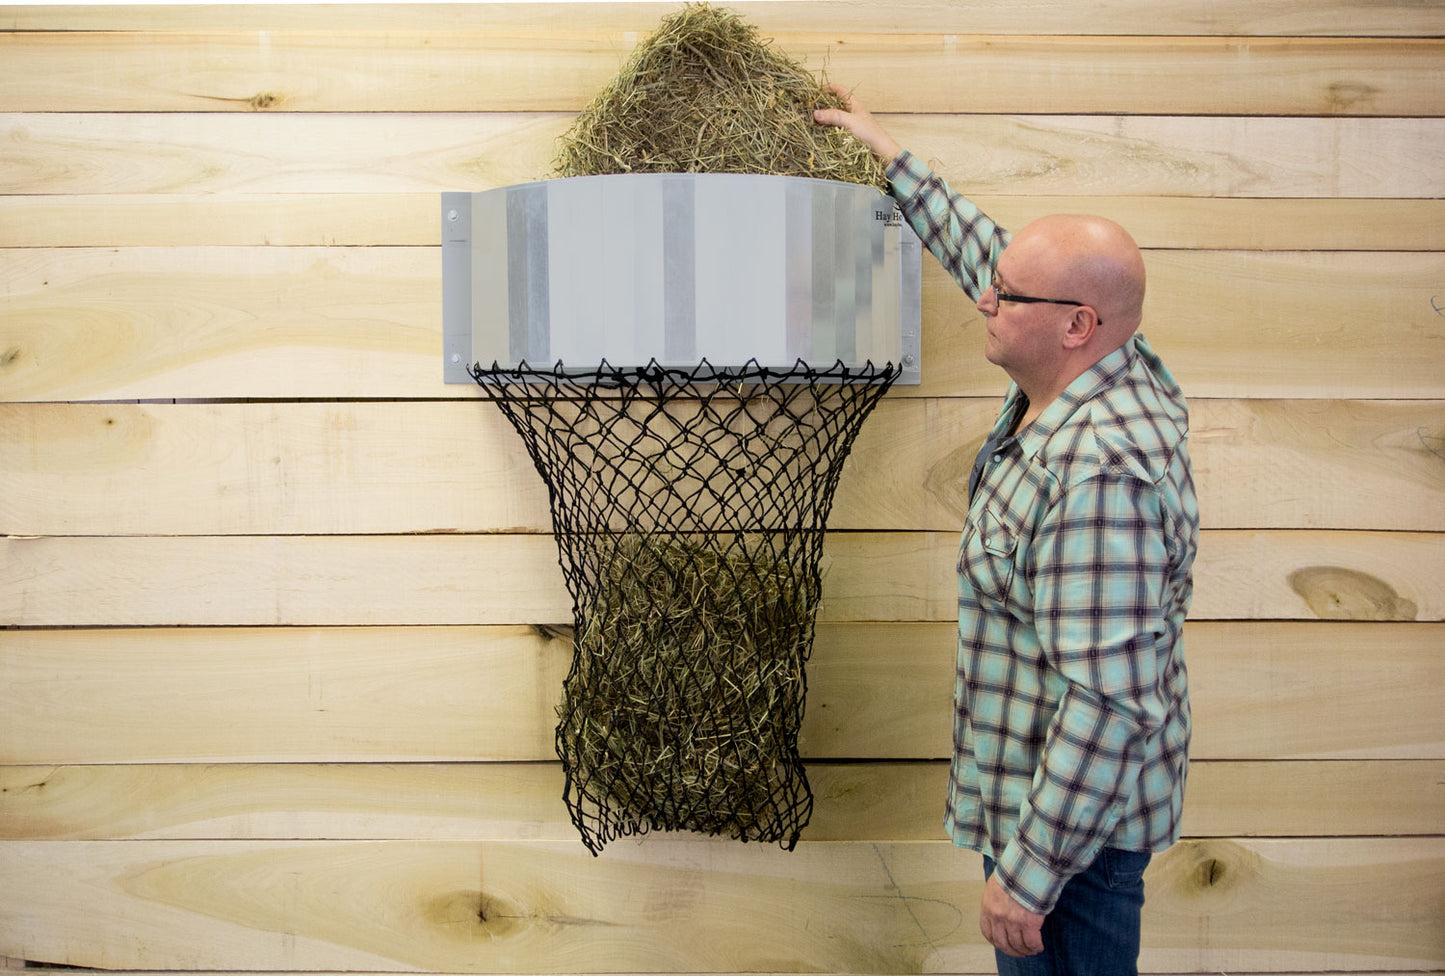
x=1074, y=574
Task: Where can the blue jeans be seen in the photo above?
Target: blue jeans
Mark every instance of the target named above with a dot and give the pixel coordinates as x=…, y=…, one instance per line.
x=1094, y=928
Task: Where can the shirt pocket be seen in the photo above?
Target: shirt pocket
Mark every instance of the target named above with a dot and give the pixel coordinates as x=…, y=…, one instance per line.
x=986, y=558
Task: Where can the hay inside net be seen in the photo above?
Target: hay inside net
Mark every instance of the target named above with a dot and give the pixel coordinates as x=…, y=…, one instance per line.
x=689, y=682
x=705, y=94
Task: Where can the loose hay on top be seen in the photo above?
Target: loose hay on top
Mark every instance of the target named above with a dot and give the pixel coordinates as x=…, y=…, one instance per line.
x=704, y=94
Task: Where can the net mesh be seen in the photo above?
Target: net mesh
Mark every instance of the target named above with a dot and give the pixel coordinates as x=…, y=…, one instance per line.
x=689, y=506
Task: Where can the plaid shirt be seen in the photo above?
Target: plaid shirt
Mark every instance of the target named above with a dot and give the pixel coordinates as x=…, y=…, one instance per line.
x=1074, y=577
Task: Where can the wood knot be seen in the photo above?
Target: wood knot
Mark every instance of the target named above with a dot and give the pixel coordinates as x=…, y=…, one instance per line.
x=1207, y=870
x=469, y=915
x=263, y=100
x=1347, y=96
x=1337, y=593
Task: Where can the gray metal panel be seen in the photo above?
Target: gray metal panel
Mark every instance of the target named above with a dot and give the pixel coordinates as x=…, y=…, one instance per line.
x=825, y=292
x=844, y=273
x=910, y=305
x=649, y=260
x=518, y=274
x=490, y=291
x=528, y=273
x=864, y=234
x=883, y=298
x=456, y=287
x=741, y=313
x=798, y=254
x=577, y=289
x=678, y=267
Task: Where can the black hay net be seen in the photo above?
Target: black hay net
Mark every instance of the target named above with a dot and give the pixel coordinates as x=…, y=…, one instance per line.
x=689, y=507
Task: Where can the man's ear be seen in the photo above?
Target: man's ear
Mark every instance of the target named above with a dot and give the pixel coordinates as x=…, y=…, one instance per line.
x=1081, y=328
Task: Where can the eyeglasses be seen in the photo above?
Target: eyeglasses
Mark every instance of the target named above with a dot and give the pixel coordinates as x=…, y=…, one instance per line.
x=1000, y=295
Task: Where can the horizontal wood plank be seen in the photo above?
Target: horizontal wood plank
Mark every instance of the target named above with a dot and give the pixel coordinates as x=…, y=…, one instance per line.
x=320, y=468
x=411, y=219
x=876, y=691
x=514, y=579
x=1315, y=575
x=234, y=219
x=217, y=322
x=882, y=801
x=563, y=68
x=1349, y=18
x=682, y=905
x=261, y=153
x=1251, y=457
x=1240, y=324
x=41, y=969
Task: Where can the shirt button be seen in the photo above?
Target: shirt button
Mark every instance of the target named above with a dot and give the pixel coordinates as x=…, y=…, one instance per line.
x=997, y=458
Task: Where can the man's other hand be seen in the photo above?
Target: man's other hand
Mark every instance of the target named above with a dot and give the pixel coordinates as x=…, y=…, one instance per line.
x=1008, y=926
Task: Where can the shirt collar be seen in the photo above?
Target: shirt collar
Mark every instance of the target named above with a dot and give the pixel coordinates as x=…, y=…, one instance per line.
x=1090, y=383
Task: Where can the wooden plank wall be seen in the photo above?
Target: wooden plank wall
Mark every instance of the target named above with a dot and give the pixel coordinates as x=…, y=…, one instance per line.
x=282, y=617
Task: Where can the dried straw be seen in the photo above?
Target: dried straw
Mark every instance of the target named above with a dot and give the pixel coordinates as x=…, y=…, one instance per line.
x=704, y=94
x=687, y=686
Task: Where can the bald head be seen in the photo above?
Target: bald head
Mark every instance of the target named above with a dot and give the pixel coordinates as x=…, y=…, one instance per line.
x=1067, y=291
x=1093, y=260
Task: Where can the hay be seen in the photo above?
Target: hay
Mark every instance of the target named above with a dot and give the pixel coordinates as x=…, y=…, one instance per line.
x=687, y=685
x=703, y=94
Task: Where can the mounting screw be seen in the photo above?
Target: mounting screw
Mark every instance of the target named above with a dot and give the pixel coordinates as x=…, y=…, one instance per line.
x=456, y=358
x=452, y=215
x=908, y=359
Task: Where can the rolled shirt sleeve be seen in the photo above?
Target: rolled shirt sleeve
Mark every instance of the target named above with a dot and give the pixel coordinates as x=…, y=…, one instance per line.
x=963, y=238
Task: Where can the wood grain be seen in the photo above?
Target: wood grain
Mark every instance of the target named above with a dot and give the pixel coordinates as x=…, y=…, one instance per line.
x=1298, y=690
x=560, y=70
x=411, y=219
x=883, y=801
x=1251, y=458
x=514, y=579
x=1050, y=154
x=682, y=905
x=1329, y=576
x=19, y=964
x=1349, y=18
x=1233, y=324
x=369, y=468
x=220, y=322
x=876, y=691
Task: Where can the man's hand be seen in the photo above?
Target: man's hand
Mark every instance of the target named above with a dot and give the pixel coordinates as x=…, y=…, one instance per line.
x=860, y=122
x=1008, y=926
